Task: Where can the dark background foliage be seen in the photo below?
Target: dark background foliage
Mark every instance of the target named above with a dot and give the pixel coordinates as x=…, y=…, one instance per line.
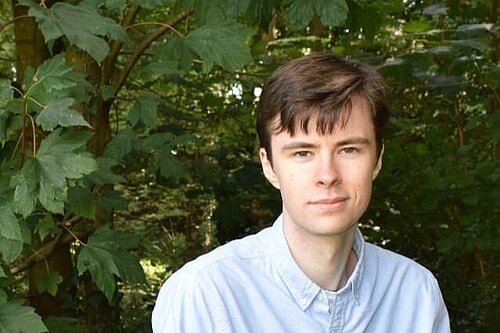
x=127, y=145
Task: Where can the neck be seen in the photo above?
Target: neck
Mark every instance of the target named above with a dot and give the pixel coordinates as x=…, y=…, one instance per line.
x=327, y=260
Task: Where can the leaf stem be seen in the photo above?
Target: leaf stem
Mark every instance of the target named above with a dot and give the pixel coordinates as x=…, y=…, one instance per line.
x=74, y=236
x=33, y=128
x=155, y=23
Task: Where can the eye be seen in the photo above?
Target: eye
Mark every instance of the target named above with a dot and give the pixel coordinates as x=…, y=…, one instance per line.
x=302, y=154
x=350, y=150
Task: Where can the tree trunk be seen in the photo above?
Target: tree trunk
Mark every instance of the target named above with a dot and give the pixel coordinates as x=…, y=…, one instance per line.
x=32, y=51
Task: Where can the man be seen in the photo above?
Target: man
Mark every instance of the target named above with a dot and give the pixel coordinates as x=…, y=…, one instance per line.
x=320, y=123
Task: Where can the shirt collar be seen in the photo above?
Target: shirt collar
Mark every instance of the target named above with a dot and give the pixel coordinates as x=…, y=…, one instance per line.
x=302, y=289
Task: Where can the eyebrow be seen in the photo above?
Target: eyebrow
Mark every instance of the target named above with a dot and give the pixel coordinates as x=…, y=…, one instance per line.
x=359, y=140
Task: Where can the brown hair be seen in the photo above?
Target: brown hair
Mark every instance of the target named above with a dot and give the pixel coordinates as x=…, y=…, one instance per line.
x=322, y=85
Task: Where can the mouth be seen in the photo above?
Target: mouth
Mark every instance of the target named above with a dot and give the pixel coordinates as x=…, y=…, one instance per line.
x=329, y=203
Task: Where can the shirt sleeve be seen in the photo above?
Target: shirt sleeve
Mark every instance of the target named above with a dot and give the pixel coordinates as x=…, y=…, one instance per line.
x=442, y=321
x=183, y=305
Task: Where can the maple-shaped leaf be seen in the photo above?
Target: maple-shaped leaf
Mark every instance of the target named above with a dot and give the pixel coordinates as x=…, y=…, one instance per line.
x=45, y=226
x=105, y=256
x=58, y=112
x=222, y=44
x=81, y=25
x=16, y=317
x=61, y=156
x=49, y=283
x=54, y=79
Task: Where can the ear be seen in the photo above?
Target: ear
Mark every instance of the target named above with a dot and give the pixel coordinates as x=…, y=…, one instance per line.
x=267, y=168
x=378, y=166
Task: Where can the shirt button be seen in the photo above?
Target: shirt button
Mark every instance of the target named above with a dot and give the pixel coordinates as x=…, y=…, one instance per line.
x=321, y=297
x=303, y=301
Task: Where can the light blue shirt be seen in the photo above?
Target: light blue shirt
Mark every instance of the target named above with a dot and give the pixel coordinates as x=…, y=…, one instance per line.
x=254, y=285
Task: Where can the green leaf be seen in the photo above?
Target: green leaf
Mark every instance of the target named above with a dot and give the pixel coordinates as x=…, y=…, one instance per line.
x=178, y=50
x=3, y=296
x=122, y=144
x=61, y=157
x=9, y=226
x=26, y=184
x=104, y=173
x=170, y=166
x=10, y=249
x=113, y=200
x=5, y=92
x=45, y=226
x=2, y=276
x=145, y=110
x=58, y=112
x=417, y=26
x=82, y=26
x=105, y=257
x=53, y=80
x=15, y=317
x=100, y=264
x=49, y=283
x=300, y=13
x=81, y=202
x=51, y=76
x=107, y=92
x=64, y=325
x=332, y=12
x=223, y=45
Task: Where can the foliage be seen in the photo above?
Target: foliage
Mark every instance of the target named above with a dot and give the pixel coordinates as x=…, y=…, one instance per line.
x=127, y=144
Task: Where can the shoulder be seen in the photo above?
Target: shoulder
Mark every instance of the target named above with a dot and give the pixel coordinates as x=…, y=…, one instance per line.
x=395, y=271
x=405, y=289
x=233, y=254
x=393, y=262
x=201, y=286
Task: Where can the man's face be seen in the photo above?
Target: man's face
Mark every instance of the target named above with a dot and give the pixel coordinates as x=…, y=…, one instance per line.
x=325, y=180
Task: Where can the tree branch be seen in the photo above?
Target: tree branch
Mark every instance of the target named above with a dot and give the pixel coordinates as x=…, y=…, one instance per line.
x=116, y=46
x=139, y=50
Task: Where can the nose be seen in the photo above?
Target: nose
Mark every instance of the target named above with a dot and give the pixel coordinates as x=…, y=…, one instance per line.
x=327, y=172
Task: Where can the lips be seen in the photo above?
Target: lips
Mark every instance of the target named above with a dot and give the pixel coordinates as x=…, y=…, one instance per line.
x=330, y=203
